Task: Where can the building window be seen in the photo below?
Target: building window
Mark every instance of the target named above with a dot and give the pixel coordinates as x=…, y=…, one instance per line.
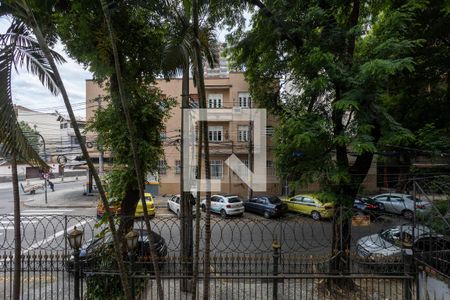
x=269, y=130
x=244, y=100
x=61, y=125
x=162, y=168
x=65, y=125
x=242, y=133
x=216, y=169
x=215, y=133
x=270, y=168
x=215, y=100
x=178, y=167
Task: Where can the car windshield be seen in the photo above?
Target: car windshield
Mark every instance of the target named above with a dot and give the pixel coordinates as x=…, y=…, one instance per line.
x=274, y=200
x=234, y=200
x=390, y=235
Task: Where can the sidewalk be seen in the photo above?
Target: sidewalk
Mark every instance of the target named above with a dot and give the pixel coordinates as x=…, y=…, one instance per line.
x=56, y=181
x=72, y=198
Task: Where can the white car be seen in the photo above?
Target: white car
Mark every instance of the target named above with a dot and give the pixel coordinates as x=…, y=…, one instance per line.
x=390, y=242
x=402, y=204
x=173, y=204
x=225, y=205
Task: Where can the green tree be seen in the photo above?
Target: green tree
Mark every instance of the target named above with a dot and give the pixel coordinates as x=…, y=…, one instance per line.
x=126, y=56
x=420, y=100
x=21, y=10
x=323, y=67
x=179, y=57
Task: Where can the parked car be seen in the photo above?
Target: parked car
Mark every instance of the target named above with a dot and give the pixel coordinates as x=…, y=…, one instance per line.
x=268, y=206
x=173, y=204
x=402, y=204
x=368, y=206
x=225, y=205
x=90, y=250
x=114, y=207
x=150, y=206
x=390, y=242
x=310, y=205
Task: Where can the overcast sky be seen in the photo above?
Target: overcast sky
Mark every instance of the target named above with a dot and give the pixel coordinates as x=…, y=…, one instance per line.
x=28, y=91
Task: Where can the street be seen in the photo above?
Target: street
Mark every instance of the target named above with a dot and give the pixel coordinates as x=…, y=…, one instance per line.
x=45, y=228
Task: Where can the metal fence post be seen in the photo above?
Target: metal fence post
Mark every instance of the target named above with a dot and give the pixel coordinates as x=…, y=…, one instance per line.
x=276, y=256
x=76, y=255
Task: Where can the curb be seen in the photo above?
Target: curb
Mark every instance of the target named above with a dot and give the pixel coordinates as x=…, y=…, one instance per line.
x=57, y=206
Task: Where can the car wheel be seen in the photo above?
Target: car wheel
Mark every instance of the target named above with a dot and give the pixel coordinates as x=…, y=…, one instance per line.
x=178, y=214
x=266, y=215
x=315, y=215
x=407, y=214
x=168, y=206
x=203, y=208
x=223, y=213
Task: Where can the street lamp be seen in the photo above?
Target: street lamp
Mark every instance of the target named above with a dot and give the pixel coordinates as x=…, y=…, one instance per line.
x=132, y=239
x=75, y=237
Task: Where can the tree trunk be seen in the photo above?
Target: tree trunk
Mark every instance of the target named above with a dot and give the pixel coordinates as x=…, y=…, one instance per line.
x=118, y=246
x=128, y=209
x=185, y=203
x=197, y=214
x=133, y=144
x=202, y=97
x=17, y=237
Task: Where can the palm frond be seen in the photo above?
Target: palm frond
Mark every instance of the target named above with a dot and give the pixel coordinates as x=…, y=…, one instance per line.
x=12, y=139
x=26, y=53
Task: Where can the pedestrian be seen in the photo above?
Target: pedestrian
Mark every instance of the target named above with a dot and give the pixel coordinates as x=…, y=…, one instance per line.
x=52, y=186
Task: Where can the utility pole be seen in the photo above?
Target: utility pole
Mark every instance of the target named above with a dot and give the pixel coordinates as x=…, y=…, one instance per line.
x=250, y=151
x=100, y=147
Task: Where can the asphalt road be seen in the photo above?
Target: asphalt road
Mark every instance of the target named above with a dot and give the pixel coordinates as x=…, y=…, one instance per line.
x=46, y=228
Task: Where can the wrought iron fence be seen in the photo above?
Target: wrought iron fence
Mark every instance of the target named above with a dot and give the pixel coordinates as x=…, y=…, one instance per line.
x=243, y=262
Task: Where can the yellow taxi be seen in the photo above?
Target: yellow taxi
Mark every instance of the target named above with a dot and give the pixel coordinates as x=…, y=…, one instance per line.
x=150, y=206
x=310, y=205
x=114, y=207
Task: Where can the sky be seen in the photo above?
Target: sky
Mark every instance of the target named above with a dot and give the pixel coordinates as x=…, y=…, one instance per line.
x=28, y=91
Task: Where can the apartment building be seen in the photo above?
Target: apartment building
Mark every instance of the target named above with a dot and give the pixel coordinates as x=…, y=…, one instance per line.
x=226, y=137
x=55, y=131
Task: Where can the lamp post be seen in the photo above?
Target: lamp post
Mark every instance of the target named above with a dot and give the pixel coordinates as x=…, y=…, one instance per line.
x=132, y=240
x=75, y=237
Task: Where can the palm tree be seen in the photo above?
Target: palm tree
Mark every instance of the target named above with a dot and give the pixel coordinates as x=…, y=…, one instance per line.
x=20, y=10
x=202, y=97
x=17, y=48
x=179, y=53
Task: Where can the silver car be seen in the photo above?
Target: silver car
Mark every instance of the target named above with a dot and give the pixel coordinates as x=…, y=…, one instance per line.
x=402, y=204
x=225, y=205
x=390, y=242
x=173, y=204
